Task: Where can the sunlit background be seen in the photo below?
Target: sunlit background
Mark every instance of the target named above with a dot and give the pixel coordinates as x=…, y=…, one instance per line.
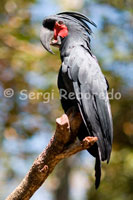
x=26, y=125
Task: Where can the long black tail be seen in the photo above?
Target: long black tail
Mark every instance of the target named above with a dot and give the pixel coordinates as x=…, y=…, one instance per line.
x=94, y=151
x=97, y=171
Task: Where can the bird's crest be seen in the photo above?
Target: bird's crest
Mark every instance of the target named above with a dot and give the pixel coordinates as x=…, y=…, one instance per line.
x=78, y=18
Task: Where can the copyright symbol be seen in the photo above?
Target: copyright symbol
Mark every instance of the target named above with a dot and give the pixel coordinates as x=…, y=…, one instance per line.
x=9, y=92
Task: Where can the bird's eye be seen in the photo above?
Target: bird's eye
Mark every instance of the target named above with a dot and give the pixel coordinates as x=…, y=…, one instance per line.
x=60, y=22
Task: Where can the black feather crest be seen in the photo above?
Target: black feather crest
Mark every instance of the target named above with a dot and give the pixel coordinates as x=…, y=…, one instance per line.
x=79, y=18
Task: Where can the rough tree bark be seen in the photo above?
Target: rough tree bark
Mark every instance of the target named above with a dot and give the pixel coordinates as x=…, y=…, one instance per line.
x=62, y=145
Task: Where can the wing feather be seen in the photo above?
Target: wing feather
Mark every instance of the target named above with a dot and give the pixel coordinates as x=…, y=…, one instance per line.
x=93, y=103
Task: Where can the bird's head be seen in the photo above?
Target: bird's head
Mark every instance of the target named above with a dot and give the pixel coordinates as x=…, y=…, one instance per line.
x=57, y=27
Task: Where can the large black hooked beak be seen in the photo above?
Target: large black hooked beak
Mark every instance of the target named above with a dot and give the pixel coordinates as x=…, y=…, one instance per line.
x=46, y=37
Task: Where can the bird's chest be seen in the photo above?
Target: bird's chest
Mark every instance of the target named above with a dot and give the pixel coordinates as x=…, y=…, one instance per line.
x=66, y=78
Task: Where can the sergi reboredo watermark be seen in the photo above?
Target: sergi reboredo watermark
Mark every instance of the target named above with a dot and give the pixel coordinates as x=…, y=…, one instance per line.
x=49, y=96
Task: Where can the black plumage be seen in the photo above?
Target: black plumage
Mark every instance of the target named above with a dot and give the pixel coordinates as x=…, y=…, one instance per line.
x=81, y=75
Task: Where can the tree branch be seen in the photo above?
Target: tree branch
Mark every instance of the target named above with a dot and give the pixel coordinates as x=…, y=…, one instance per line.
x=62, y=145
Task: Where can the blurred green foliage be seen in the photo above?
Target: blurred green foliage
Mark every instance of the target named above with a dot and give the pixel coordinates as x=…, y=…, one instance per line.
x=24, y=65
x=26, y=125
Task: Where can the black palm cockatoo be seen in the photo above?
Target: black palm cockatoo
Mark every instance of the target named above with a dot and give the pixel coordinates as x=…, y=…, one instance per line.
x=81, y=75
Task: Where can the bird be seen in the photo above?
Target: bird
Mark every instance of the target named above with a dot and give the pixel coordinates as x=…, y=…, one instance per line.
x=81, y=75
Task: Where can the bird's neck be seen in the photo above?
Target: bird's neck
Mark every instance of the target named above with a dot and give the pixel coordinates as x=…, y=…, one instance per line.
x=71, y=41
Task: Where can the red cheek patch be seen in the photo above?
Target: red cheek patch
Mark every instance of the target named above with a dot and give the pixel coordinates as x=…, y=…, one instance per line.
x=60, y=30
